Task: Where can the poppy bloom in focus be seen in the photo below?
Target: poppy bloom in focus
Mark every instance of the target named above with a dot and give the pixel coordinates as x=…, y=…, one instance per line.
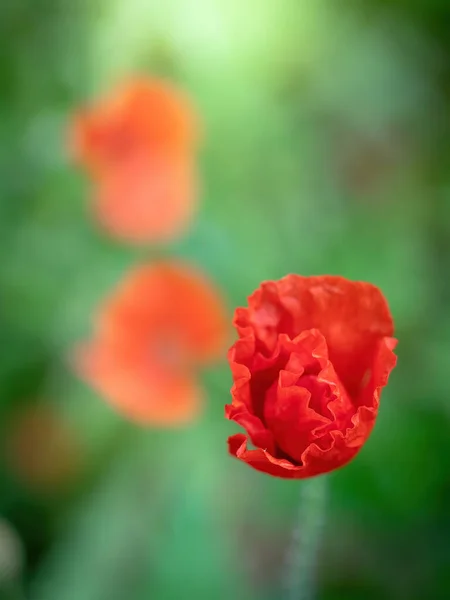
x=138, y=146
x=312, y=357
x=163, y=322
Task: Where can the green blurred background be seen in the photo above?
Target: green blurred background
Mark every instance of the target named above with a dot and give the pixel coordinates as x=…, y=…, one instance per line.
x=326, y=150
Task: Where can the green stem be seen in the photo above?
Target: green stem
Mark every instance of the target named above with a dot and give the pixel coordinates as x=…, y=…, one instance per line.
x=302, y=556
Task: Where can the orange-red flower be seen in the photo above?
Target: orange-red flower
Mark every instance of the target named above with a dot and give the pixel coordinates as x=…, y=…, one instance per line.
x=312, y=357
x=42, y=449
x=138, y=145
x=163, y=321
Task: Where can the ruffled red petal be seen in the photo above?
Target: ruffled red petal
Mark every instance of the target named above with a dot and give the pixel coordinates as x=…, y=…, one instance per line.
x=261, y=460
x=308, y=411
x=258, y=433
x=304, y=405
x=352, y=316
x=316, y=461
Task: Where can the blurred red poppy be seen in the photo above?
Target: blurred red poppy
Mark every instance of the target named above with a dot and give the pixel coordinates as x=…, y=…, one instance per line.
x=42, y=449
x=138, y=145
x=312, y=357
x=164, y=320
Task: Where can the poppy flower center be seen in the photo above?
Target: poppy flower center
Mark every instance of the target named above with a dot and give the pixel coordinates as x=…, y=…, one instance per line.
x=114, y=144
x=320, y=394
x=167, y=349
x=299, y=414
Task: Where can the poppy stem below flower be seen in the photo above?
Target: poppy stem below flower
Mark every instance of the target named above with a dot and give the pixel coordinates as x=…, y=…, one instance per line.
x=301, y=561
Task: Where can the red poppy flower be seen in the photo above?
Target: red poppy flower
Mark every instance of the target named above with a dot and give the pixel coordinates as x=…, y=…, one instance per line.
x=138, y=145
x=42, y=449
x=162, y=322
x=312, y=357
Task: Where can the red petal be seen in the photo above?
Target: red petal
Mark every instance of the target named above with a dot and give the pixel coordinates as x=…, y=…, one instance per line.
x=303, y=407
x=259, y=435
x=346, y=442
x=261, y=460
x=352, y=316
x=384, y=361
x=254, y=373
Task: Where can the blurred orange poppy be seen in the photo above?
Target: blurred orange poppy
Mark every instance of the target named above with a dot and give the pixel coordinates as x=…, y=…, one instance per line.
x=163, y=321
x=138, y=145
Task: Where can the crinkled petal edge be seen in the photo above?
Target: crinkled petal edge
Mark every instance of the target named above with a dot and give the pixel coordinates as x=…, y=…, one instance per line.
x=262, y=460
